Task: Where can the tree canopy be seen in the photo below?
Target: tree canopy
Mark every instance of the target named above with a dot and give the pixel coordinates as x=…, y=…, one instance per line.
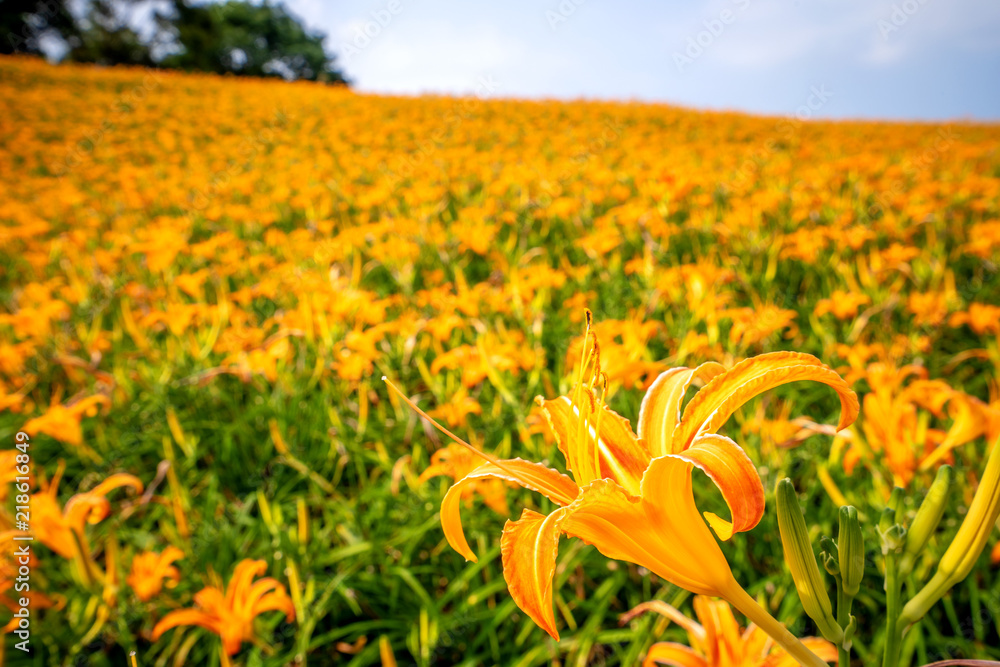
x=25, y=24
x=243, y=38
x=235, y=37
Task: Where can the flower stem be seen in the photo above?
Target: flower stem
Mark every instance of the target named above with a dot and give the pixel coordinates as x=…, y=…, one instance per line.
x=740, y=599
x=82, y=556
x=893, y=634
x=844, y=602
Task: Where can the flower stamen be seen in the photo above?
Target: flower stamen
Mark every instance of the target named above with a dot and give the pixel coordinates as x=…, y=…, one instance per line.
x=487, y=457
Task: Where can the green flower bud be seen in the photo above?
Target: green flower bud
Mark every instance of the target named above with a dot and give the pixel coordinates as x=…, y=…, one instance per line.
x=968, y=544
x=849, y=631
x=851, y=551
x=828, y=555
x=886, y=519
x=893, y=539
x=963, y=552
x=896, y=503
x=890, y=531
x=802, y=563
x=927, y=519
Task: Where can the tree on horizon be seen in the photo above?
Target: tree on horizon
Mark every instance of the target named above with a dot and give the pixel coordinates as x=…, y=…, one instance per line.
x=233, y=37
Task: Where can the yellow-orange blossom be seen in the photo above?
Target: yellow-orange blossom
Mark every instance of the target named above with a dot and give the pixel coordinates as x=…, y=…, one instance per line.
x=631, y=496
x=719, y=640
x=231, y=614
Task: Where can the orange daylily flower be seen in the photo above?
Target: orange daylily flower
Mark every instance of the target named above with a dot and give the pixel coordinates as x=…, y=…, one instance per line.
x=457, y=462
x=631, y=493
x=929, y=308
x=62, y=530
x=843, y=305
x=230, y=614
x=984, y=240
x=477, y=360
x=779, y=431
x=718, y=641
x=259, y=361
x=149, y=569
x=896, y=434
x=980, y=317
x=62, y=422
x=757, y=324
x=456, y=411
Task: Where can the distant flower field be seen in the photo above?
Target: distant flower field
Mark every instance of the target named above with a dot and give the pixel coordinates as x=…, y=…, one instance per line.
x=203, y=281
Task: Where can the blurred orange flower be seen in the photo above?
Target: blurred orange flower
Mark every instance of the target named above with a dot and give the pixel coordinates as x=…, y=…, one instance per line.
x=231, y=614
x=149, y=569
x=62, y=529
x=459, y=463
x=62, y=422
x=843, y=305
x=719, y=641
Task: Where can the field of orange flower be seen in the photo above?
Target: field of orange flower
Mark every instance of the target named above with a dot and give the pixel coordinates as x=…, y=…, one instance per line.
x=205, y=279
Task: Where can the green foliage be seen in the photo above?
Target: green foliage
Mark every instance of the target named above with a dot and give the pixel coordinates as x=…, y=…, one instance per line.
x=24, y=23
x=234, y=37
x=107, y=39
x=248, y=39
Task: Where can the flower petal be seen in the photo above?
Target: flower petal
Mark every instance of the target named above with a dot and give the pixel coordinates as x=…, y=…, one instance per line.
x=86, y=508
x=661, y=406
x=115, y=481
x=669, y=653
x=623, y=457
x=553, y=485
x=276, y=601
x=528, y=549
x=243, y=575
x=185, y=617
x=822, y=648
x=435, y=470
x=664, y=609
x=712, y=406
x=732, y=471
x=723, y=639
x=970, y=419
x=663, y=533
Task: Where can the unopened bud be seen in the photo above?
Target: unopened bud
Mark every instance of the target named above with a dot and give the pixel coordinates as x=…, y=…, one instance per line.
x=927, y=519
x=851, y=543
x=893, y=539
x=852, y=627
x=896, y=503
x=802, y=563
x=965, y=549
x=828, y=556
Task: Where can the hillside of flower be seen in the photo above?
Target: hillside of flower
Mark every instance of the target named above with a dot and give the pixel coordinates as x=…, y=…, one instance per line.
x=204, y=279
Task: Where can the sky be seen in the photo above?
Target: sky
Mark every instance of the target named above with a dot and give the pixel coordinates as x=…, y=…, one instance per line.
x=891, y=59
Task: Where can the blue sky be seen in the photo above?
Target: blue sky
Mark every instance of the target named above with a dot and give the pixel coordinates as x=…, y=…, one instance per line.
x=912, y=59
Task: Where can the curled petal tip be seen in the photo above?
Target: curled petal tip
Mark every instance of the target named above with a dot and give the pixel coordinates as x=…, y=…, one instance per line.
x=722, y=527
x=849, y=412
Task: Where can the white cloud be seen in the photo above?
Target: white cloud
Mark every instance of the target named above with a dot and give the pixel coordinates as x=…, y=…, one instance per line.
x=428, y=56
x=763, y=60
